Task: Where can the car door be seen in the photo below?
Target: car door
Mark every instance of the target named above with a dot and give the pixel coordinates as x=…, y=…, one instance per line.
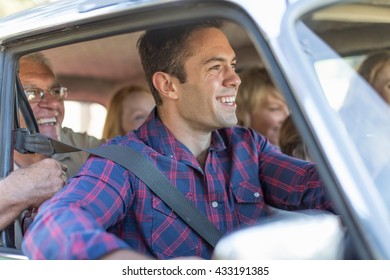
x=313, y=44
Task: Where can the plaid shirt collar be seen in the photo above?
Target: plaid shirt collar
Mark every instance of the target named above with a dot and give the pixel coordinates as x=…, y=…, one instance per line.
x=154, y=132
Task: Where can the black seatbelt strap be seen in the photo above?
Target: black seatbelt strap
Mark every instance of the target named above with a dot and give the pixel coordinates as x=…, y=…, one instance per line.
x=136, y=163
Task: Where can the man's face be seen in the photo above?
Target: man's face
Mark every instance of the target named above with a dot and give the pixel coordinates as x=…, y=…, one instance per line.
x=49, y=111
x=207, y=99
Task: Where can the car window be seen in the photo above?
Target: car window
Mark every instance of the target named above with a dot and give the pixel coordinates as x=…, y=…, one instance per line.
x=355, y=102
x=86, y=117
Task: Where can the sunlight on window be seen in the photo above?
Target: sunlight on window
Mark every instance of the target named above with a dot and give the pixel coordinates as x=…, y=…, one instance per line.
x=85, y=117
x=335, y=77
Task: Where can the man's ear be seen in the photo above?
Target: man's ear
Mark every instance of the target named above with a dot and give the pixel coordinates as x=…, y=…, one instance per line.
x=165, y=84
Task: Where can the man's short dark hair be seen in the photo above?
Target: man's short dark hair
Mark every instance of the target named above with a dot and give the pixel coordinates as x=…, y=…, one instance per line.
x=165, y=50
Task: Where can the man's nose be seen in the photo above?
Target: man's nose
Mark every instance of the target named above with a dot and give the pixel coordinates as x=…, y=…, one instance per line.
x=49, y=100
x=232, y=78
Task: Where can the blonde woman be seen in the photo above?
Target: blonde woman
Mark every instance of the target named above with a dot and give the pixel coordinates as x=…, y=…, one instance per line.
x=260, y=105
x=376, y=70
x=128, y=109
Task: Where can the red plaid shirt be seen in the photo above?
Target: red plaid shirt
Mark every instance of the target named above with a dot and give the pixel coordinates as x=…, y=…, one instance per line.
x=105, y=207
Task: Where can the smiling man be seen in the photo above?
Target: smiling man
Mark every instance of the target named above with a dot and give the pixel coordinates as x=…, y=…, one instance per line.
x=230, y=173
x=46, y=98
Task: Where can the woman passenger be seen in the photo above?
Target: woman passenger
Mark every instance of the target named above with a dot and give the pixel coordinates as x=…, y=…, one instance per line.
x=128, y=109
x=376, y=70
x=260, y=105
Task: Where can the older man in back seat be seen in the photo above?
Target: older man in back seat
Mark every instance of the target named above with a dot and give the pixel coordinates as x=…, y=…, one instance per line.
x=46, y=98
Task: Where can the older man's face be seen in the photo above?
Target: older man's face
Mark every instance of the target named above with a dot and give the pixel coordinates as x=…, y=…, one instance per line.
x=49, y=110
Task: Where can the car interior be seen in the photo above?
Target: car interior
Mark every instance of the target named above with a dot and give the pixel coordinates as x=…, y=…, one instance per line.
x=94, y=66
x=94, y=70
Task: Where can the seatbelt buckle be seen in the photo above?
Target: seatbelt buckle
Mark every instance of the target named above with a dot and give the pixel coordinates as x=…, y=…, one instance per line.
x=27, y=143
x=20, y=135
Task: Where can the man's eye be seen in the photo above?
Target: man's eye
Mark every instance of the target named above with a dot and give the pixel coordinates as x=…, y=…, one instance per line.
x=31, y=94
x=59, y=92
x=216, y=67
x=56, y=91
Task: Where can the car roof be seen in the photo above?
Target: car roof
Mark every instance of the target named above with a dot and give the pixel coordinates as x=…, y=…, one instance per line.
x=104, y=64
x=52, y=16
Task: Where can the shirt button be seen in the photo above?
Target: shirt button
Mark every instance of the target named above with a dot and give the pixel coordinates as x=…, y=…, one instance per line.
x=214, y=204
x=171, y=156
x=256, y=194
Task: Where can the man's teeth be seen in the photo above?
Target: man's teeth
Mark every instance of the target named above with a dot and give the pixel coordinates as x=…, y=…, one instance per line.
x=51, y=121
x=227, y=100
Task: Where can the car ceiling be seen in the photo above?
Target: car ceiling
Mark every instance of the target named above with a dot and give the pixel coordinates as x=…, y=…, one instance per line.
x=94, y=70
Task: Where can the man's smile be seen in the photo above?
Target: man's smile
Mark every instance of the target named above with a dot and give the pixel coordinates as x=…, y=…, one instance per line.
x=47, y=121
x=228, y=100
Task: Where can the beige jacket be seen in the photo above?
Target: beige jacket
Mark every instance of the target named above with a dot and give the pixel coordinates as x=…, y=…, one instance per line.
x=76, y=159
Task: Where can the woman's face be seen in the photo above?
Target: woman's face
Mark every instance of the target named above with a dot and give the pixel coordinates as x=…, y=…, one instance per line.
x=268, y=117
x=136, y=109
x=382, y=82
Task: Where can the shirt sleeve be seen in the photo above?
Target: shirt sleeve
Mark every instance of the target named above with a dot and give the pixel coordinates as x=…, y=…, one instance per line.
x=73, y=224
x=290, y=183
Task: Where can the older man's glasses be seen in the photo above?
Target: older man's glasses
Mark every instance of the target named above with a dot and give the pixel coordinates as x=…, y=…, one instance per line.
x=35, y=95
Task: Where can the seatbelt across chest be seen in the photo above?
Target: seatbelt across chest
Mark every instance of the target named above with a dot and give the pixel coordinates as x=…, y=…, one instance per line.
x=136, y=163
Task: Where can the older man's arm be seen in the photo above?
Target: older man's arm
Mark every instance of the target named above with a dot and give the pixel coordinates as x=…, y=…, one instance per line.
x=29, y=187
